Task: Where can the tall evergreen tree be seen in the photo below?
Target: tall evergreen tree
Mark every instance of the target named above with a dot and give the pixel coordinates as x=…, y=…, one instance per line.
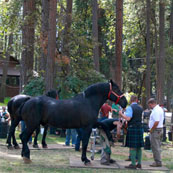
x=44, y=36
x=118, y=52
x=49, y=82
x=28, y=35
x=161, y=62
x=148, y=50
x=95, y=35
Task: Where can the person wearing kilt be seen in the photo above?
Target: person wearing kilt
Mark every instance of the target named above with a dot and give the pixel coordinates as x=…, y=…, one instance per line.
x=134, y=138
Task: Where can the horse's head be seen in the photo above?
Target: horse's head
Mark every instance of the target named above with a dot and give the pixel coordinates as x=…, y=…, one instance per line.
x=116, y=95
x=53, y=93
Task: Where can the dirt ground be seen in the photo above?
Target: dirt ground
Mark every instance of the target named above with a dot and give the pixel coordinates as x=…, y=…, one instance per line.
x=56, y=158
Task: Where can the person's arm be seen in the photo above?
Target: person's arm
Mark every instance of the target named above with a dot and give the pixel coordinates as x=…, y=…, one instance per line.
x=154, y=126
x=124, y=116
x=8, y=117
x=114, y=110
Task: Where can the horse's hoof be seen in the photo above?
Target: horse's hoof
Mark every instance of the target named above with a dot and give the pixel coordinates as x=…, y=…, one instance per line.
x=10, y=147
x=44, y=146
x=16, y=147
x=26, y=160
x=92, y=157
x=35, y=146
x=87, y=162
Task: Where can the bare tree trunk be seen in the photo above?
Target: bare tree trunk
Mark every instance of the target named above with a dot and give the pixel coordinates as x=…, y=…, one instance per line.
x=5, y=69
x=44, y=36
x=169, y=80
x=66, y=35
x=95, y=35
x=161, y=62
x=153, y=17
x=51, y=45
x=68, y=21
x=119, y=30
x=148, y=73
x=171, y=24
x=28, y=37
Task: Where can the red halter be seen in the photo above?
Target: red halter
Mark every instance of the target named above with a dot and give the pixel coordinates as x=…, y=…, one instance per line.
x=112, y=92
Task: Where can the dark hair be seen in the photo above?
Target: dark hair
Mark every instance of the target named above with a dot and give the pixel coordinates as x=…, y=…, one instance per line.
x=133, y=98
x=152, y=101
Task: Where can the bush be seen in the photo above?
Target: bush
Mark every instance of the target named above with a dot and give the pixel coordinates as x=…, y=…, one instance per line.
x=35, y=87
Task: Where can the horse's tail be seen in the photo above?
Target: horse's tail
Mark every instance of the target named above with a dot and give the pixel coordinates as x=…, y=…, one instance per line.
x=9, y=107
x=19, y=110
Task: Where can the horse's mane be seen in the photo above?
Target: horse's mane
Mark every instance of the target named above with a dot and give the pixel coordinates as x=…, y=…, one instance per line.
x=95, y=88
x=79, y=95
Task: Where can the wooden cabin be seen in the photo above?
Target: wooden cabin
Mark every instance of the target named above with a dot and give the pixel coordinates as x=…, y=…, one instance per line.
x=13, y=76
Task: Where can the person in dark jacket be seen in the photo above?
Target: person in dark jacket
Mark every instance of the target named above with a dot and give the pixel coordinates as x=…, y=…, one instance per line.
x=105, y=127
x=134, y=138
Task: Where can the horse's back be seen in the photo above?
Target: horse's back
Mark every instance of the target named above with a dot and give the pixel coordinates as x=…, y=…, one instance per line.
x=15, y=103
x=67, y=113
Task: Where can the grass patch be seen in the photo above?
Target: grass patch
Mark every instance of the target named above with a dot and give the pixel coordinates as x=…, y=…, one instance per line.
x=52, y=161
x=6, y=100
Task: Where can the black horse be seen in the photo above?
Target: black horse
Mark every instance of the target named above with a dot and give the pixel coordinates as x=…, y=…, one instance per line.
x=13, y=106
x=80, y=111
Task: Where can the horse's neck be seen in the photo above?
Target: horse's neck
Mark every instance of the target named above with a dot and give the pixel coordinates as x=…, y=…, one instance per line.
x=97, y=95
x=97, y=102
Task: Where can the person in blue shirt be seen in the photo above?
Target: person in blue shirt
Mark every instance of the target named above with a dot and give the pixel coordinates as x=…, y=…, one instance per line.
x=134, y=138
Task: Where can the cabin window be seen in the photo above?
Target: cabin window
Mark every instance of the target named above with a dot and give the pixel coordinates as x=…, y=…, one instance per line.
x=12, y=81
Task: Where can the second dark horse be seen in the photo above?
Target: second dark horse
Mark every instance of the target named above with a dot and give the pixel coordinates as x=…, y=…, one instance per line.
x=79, y=112
x=16, y=103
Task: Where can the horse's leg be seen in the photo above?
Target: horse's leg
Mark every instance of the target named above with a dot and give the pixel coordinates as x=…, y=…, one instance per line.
x=35, y=145
x=85, y=140
x=44, y=145
x=11, y=133
x=11, y=129
x=25, y=138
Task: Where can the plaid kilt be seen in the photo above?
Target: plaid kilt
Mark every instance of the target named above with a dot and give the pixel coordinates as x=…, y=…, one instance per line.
x=134, y=138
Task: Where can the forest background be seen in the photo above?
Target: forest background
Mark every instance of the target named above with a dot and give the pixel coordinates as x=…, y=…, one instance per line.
x=71, y=44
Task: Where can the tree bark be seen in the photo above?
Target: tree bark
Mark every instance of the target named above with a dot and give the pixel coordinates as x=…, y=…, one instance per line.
x=161, y=62
x=68, y=21
x=169, y=80
x=51, y=45
x=28, y=35
x=171, y=24
x=148, y=73
x=5, y=69
x=118, y=54
x=44, y=36
x=66, y=36
x=95, y=35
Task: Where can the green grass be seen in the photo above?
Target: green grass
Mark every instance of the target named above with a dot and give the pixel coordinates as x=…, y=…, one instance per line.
x=50, y=139
x=6, y=100
x=58, y=160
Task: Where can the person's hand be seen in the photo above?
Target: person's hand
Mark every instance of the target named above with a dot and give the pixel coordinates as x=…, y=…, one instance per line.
x=150, y=130
x=120, y=113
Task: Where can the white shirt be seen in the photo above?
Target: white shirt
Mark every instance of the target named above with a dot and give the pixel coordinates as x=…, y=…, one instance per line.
x=157, y=114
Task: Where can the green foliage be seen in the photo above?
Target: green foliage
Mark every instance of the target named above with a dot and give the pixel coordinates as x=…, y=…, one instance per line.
x=35, y=87
x=74, y=84
x=80, y=43
x=6, y=100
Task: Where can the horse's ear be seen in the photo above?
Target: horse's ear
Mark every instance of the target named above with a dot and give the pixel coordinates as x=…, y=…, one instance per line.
x=111, y=81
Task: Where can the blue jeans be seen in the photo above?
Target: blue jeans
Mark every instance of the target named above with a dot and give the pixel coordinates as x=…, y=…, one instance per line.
x=79, y=138
x=70, y=133
x=23, y=128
